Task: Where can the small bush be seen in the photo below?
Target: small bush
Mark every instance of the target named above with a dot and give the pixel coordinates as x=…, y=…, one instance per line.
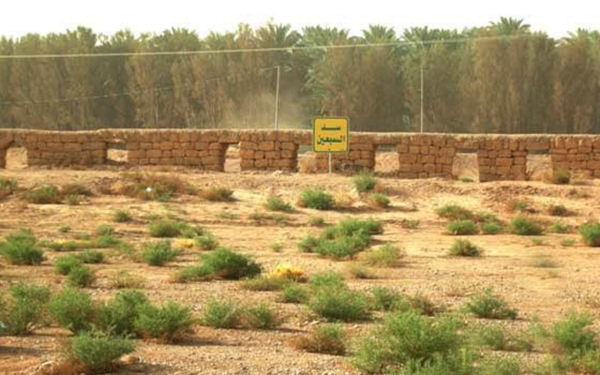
x=365, y=182
x=525, y=227
x=359, y=271
x=276, y=247
x=259, y=317
x=160, y=187
x=387, y=299
x=316, y=221
x=123, y=279
x=308, y=244
x=121, y=216
x=7, y=187
x=559, y=227
x=20, y=249
x=387, y=255
x=117, y=316
x=168, y=322
x=561, y=177
x=207, y=242
x=46, y=194
x=23, y=308
x=166, y=228
x=64, y=264
x=227, y=264
x=332, y=280
x=339, y=305
x=464, y=248
x=495, y=338
x=317, y=199
x=106, y=241
x=91, y=257
x=410, y=224
x=295, y=294
x=75, y=189
x=72, y=309
x=543, y=262
x=324, y=339
x=405, y=338
x=159, y=253
x=491, y=228
x=72, y=200
x=574, y=335
x=277, y=204
x=64, y=229
x=80, y=276
x=558, y=210
x=486, y=305
x=220, y=314
x=217, y=194
x=105, y=230
x=462, y=227
x=265, y=283
x=344, y=247
x=61, y=245
x=568, y=242
x=379, y=200
x=454, y=212
x=97, y=352
x=591, y=234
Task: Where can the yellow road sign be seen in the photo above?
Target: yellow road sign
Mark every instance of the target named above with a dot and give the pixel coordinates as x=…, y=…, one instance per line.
x=330, y=134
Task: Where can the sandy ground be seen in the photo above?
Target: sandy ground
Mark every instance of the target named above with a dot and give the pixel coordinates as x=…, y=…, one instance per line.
x=538, y=293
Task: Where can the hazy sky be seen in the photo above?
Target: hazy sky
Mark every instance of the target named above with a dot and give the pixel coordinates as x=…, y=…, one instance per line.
x=107, y=16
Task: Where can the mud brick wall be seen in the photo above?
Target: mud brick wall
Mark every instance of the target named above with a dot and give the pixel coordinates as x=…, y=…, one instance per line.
x=576, y=153
x=270, y=150
x=499, y=157
x=423, y=156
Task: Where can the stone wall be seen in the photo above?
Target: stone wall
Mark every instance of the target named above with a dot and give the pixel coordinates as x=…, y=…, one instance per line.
x=499, y=157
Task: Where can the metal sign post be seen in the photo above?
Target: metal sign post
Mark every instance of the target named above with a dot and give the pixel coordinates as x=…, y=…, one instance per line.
x=331, y=135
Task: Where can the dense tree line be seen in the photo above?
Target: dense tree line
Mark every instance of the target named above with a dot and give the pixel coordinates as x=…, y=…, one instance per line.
x=501, y=78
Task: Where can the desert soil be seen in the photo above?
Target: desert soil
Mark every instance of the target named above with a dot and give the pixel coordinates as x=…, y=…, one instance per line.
x=538, y=293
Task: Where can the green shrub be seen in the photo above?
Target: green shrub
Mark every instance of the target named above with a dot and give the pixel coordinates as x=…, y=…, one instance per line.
x=46, y=194
x=159, y=253
x=118, y=315
x=105, y=230
x=410, y=224
x=344, y=247
x=123, y=279
x=360, y=271
x=464, y=248
x=525, y=227
x=166, y=228
x=387, y=299
x=277, y=204
x=220, y=314
x=64, y=264
x=7, y=187
x=558, y=210
x=568, y=242
x=495, y=338
x=295, y=294
x=316, y=221
x=365, y=182
x=80, y=276
x=462, y=227
x=559, y=227
x=62, y=246
x=308, y=244
x=327, y=280
x=591, y=234
x=20, y=249
x=97, y=352
x=91, y=257
x=227, y=264
x=207, y=242
x=454, y=212
x=23, y=308
x=64, y=229
x=317, y=199
x=339, y=304
x=106, y=241
x=259, y=317
x=188, y=231
x=168, y=322
x=217, y=194
x=72, y=200
x=265, y=283
x=194, y=273
x=387, y=255
x=75, y=189
x=349, y=227
x=72, y=309
x=404, y=338
x=325, y=339
x=487, y=305
x=121, y=216
x=561, y=177
x=491, y=228
x=379, y=200
x=574, y=335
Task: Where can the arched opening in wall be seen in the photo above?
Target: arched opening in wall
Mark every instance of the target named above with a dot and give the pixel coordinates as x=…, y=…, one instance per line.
x=16, y=157
x=386, y=160
x=539, y=165
x=307, y=159
x=232, y=158
x=116, y=154
x=464, y=166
